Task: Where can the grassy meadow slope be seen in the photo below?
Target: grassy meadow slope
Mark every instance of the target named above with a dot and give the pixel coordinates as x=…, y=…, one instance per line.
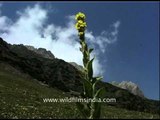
x=22, y=97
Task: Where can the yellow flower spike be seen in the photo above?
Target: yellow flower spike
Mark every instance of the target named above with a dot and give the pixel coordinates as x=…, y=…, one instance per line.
x=81, y=24
x=80, y=16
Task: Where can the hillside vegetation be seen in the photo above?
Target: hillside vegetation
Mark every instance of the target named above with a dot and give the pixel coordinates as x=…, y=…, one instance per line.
x=22, y=97
x=27, y=77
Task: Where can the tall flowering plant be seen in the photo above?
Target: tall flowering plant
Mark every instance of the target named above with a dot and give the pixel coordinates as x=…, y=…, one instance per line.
x=91, y=109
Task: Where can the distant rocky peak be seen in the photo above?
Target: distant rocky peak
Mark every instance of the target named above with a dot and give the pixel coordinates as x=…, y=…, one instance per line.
x=130, y=86
x=41, y=51
x=79, y=67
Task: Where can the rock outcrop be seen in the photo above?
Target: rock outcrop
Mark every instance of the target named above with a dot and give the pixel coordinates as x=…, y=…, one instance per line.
x=130, y=86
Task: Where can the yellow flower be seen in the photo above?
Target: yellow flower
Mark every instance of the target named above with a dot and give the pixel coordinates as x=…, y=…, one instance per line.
x=80, y=22
x=83, y=25
x=80, y=16
x=81, y=33
x=77, y=26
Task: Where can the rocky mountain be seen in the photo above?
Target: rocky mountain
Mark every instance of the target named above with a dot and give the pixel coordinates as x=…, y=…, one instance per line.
x=47, y=54
x=79, y=67
x=41, y=51
x=130, y=86
x=57, y=73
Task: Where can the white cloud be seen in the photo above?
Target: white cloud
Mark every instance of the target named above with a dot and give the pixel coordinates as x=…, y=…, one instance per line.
x=4, y=21
x=105, y=38
x=31, y=28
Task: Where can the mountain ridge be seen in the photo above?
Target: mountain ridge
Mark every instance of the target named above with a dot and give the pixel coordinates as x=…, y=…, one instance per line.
x=41, y=51
x=62, y=75
x=130, y=86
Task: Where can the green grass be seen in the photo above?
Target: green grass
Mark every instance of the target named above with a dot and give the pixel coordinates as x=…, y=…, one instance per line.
x=22, y=97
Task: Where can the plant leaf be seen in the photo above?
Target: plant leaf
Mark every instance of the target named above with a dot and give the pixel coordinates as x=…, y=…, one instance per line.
x=90, y=50
x=87, y=88
x=97, y=79
x=86, y=47
x=100, y=93
x=81, y=49
x=90, y=69
x=83, y=44
x=97, y=111
x=94, y=82
x=85, y=58
x=83, y=109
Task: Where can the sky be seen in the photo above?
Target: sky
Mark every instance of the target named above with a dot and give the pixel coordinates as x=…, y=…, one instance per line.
x=124, y=35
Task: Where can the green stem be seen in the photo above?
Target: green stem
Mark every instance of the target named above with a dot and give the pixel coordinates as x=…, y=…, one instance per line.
x=84, y=49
